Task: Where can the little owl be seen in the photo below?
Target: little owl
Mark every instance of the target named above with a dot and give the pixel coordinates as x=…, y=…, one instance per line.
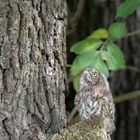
x=94, y=98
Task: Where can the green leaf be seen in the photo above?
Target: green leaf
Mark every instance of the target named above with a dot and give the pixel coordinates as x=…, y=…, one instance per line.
x=117, y=30
x=127, y=8
x=100, y=34
x=117, y=54
x=76, y=83
x=110, y=60
x=86, y=45
x=82, y=61
x=77, y=67
x=101, y=66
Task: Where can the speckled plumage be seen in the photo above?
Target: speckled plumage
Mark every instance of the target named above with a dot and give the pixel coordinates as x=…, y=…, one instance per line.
x=94, y=98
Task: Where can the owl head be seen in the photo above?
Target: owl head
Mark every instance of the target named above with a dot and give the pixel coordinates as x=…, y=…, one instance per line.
x=92, y=76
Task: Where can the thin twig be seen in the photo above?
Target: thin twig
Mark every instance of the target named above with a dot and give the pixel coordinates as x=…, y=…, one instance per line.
x=133, y=33
x=74, y=21
x=68, y=65
x=72, y=114
x=78, y=13
x=132, y=68
x=127, y=96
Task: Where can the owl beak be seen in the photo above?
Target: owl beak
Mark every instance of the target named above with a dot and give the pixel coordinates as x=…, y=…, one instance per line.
x=89, y=79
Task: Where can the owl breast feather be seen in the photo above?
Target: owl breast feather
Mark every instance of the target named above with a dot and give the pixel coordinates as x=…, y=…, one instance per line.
x=89, y=109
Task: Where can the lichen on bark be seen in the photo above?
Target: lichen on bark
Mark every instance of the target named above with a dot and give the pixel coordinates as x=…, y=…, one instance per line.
x=93, y=129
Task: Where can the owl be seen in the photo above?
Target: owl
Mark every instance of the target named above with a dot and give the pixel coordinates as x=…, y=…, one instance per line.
x=94, y=98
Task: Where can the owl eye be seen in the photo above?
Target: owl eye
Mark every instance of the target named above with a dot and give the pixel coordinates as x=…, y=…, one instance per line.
x=94, y=74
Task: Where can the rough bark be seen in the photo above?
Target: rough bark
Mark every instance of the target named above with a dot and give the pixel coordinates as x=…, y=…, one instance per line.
x=32, y=68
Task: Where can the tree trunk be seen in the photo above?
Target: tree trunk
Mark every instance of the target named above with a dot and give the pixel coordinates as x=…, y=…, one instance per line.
x=32, y=68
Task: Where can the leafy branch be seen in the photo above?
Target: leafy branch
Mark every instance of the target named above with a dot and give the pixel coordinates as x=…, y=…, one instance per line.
x=100, y=49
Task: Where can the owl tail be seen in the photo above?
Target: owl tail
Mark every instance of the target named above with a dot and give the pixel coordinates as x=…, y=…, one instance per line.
x=108, y=137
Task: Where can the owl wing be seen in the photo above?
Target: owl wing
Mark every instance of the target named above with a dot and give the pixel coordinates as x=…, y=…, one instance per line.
x=109, y=113
x=108, y=110
x=111, y=107
x=103, y=103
